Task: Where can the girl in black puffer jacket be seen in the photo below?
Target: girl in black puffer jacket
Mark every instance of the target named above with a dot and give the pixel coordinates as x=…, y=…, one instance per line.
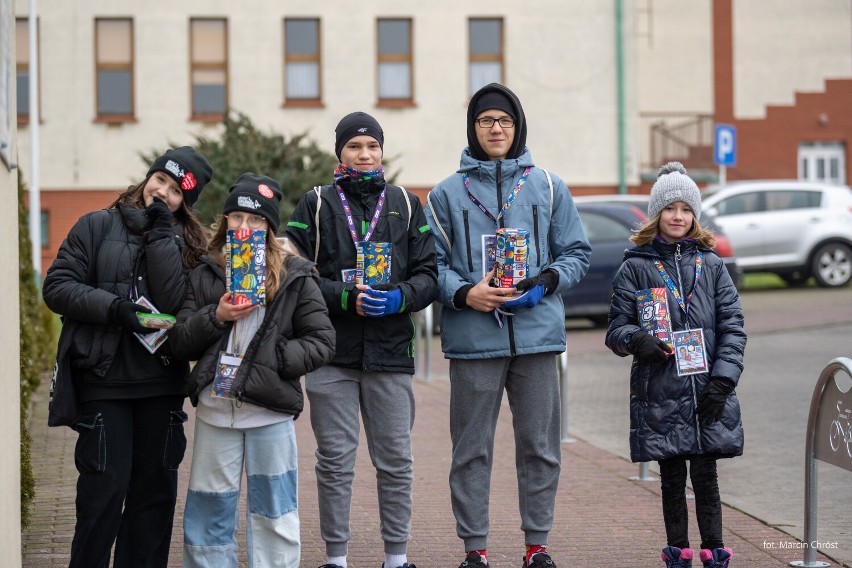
x=245, y=414
x=127, y=402
x=682, y=402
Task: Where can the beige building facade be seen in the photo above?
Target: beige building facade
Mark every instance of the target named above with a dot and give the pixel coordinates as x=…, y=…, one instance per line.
x=10, y=442
x=120, y=78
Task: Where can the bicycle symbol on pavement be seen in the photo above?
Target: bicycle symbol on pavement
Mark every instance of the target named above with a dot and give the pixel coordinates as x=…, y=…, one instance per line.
x=840, y=433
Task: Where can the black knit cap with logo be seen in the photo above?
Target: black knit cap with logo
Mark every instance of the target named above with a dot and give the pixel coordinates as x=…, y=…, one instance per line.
x=256, y=194
x=188, y=168
x=357, y=124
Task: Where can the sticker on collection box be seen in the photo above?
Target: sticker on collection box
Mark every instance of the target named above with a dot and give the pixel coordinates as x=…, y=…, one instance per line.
x=653, y=310
x=510, y=257
x=373, y=263
x=245, y=265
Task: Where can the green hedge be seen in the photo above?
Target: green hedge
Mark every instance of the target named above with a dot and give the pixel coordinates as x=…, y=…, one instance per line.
x=38, y=340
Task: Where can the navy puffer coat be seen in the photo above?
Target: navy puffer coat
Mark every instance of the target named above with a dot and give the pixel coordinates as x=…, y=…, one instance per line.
x=663, y=423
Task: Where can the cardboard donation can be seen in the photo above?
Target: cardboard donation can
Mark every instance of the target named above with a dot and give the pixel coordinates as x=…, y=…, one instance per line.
x=373, y=263
x=653, y=310
x=245, y=265
x=510, y=257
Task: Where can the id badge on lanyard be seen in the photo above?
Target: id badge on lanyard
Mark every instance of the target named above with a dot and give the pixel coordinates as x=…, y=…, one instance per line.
x=226, y=371
x=690, y=355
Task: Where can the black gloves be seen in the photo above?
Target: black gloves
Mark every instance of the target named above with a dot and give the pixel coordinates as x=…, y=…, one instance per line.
x=650, y=348
x=549, y=279
x=160, y=219
x=123, y=313
x=711, y=401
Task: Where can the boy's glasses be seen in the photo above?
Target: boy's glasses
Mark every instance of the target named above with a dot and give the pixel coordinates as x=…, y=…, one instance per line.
x=488, y=122
x=236, y=220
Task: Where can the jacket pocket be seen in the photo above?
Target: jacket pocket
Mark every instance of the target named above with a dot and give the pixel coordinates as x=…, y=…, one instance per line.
x=93, y=348
x=467, y=240
x=90, y=452
x=175, y=440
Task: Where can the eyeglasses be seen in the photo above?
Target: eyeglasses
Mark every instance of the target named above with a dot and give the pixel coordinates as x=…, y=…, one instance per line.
x=488, y=122
x=236, y=220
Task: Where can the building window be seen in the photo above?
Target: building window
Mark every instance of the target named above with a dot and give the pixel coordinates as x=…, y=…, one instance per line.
x=302, y=61
x=209, y=68
x=486, y=52
x=395, y=62
x=22, y=65
x=45, y=234
x=114, y=68
x=823, y=162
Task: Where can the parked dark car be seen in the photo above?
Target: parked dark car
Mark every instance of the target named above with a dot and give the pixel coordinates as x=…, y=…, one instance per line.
x=609, y=222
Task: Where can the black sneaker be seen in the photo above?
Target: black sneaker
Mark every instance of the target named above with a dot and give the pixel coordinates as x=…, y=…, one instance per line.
x=473, y=560
x=330, y=566
x=539, y=560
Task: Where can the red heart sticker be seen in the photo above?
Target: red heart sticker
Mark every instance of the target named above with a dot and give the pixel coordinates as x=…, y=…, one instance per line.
x=188, y=182
x=265, y=191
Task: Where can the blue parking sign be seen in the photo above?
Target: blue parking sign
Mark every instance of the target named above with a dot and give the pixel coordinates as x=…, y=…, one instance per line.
x=725, y=145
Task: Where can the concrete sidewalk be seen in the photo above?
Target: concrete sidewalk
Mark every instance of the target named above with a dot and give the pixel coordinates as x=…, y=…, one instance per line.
x=602, y=517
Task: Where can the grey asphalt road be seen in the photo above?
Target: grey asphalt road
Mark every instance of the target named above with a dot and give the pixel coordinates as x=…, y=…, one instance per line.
x=793, y=334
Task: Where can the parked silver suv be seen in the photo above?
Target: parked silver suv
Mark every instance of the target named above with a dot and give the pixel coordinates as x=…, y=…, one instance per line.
x=795, y=229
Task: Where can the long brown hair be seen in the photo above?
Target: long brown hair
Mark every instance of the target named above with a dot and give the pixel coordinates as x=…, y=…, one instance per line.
x=276, y=255
x=650, y=228
x=194, y=235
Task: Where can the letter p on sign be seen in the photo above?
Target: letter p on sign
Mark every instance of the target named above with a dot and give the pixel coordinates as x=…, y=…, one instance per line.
x=725, y=147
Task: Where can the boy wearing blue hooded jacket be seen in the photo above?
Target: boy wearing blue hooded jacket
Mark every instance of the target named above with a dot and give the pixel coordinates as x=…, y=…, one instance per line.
x=496, y=342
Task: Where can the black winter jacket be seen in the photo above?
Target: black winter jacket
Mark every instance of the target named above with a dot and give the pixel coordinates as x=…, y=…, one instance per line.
x=107, y=256
x=294, y=338
x=363, y=343
x=663, y=422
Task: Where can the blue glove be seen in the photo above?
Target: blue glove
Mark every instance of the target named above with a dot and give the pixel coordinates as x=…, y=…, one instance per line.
x=528, y=300
x=380, y=303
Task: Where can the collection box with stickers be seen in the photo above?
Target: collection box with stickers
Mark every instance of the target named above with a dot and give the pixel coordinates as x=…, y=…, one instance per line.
x=653, y=310
x=511, y=250
x=373, y=263
x=245, y=265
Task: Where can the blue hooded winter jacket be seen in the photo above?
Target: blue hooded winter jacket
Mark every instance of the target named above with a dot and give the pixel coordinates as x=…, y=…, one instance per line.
x=557, y=242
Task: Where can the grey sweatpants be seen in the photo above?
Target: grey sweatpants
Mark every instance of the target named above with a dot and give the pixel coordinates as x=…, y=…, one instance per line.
x=386, y=403
x=532, y=387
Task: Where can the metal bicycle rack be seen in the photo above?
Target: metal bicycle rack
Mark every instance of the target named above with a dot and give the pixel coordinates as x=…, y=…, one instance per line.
x=828, y=439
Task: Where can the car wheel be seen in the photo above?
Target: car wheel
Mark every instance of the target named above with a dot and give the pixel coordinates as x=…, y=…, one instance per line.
x=832, y=265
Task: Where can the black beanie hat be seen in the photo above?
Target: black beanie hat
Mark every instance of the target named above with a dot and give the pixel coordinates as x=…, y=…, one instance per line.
x=256, y=194
x=500, y=97
x=357, y=124
x=188, y=168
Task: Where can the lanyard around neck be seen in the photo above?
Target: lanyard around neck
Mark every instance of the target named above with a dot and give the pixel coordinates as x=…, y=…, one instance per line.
x=518, y=186
x=349, y=221
x=684, y=305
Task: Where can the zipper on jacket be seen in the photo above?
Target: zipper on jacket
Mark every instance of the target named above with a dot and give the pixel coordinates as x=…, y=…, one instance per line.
x=500, y=192
x=695, y=412
x=535, y=235
x=467, y=236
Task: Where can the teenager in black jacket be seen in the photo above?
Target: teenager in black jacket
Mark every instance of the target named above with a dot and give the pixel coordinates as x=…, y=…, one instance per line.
x=244, y=416
x=371, y=373
x=130, y=399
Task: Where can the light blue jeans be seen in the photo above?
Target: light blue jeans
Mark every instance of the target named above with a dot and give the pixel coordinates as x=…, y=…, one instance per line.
x=212, y=514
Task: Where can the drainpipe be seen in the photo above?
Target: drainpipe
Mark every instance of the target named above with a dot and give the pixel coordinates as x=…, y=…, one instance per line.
x=619, y=75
